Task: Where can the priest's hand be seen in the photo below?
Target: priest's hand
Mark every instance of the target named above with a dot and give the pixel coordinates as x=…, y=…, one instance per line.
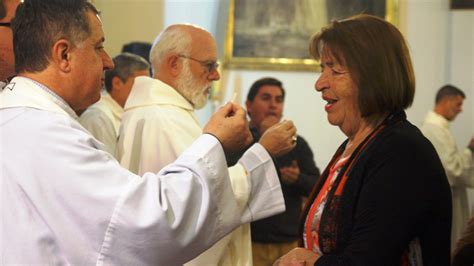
x=279, y=139
x=230, y=126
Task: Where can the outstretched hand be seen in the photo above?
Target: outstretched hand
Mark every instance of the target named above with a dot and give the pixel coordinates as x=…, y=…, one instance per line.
x=230, y=126
x=278, y=139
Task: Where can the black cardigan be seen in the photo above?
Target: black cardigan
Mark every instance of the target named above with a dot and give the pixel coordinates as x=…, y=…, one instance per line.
x=396, y=191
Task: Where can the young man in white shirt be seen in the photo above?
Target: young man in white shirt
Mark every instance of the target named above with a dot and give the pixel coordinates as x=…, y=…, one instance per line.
x=457, y=163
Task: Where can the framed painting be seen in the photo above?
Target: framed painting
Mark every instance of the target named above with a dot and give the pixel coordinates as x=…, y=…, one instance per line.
x=274, y=34
x=462, y=4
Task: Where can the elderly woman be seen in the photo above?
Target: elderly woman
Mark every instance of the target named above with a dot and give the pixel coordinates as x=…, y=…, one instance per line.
x=384, y=198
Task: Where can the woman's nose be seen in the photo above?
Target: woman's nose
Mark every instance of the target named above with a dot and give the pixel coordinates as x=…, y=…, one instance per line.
x=321, y=82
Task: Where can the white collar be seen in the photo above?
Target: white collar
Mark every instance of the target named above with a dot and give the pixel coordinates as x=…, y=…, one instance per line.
x=106, y=101
x=25, y=92
x=150, y=91
x=435, y=118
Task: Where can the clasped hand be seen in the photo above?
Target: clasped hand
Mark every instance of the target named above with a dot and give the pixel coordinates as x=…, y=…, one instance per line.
x=297, y=257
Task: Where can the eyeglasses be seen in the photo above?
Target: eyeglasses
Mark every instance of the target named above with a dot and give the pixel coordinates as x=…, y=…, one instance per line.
x=5, y=24
x=210, y=65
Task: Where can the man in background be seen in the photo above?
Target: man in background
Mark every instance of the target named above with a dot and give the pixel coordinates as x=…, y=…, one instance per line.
x=139, y=48
x=457, y=163
x=276, y=235
x=102, y=119
x=159, y=123
x=7, y=60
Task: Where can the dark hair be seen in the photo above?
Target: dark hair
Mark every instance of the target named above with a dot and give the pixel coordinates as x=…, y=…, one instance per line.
x=38, y=24
x=125, y=65
x=253, y=91
x=448, y=90
x=139, y=48
x=377, y=57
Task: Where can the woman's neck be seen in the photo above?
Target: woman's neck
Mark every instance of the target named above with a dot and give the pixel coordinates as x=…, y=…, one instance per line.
x=358, y=134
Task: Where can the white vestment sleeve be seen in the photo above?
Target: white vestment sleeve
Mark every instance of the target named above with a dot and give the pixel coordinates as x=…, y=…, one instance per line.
x=70, y=203
x=67, y=202
x=193, y=220
x=235, y=248
x=266, y=197
x=458, y=164
x=189, y=206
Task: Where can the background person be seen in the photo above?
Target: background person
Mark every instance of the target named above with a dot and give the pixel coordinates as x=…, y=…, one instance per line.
x=103, y=118
x=384, y=198
x=69, y=202
x=276, y=235
x=159, y=123
x=139, y=48
x=458, y=164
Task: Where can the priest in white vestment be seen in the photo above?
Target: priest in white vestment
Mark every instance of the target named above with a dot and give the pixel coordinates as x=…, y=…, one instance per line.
x=66, y=201
x=159, y=123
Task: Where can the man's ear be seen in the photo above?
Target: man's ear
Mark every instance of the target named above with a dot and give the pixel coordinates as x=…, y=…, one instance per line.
x=61, y=55
x=174, y=65
x=116, y=83
x=248, y=106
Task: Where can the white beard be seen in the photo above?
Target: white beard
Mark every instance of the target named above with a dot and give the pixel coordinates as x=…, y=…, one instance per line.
x=186, y=85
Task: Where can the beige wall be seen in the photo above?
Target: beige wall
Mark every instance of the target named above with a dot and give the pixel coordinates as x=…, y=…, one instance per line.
x=130, y=20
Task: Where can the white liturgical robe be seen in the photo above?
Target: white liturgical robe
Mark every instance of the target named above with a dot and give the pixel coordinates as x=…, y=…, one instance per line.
x=158, y=124
x=66, y=201
x=458, y=166
x=102, y=120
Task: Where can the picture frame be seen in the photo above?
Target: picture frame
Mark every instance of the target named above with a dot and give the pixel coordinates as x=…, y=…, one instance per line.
x=275, y=34
x=462, y=4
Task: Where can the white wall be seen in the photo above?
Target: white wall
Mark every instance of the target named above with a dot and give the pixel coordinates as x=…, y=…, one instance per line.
x=201, y=12
x=461, y=73
x=125, y=21
x=442, y=46
x=461, y=70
